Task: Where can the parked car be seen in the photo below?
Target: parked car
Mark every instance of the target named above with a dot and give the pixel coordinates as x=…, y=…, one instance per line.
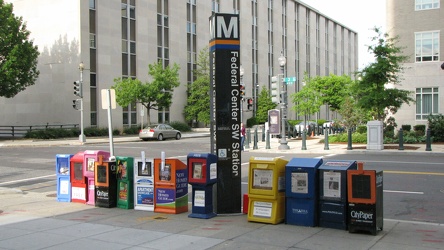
x=159, y=132
x=309, y=126
x=328, y=124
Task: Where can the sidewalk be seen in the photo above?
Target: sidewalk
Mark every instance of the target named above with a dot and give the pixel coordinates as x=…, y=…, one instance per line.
x=30, y=220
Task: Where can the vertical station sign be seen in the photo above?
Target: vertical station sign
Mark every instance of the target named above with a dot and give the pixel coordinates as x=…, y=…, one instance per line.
x=225, y=111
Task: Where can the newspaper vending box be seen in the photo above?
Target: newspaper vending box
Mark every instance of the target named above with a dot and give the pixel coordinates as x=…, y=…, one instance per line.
x=333, y=202
x=63, y=177
x=78, y=180
x=144, y=184
x=89, y=159
x=125, y=175
x=266, y=190
x=301, y=191
x=105, y=182
x=202, y=173
x=170, y=186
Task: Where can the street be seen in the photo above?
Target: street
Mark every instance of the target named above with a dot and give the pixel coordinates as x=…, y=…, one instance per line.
x=413, y=184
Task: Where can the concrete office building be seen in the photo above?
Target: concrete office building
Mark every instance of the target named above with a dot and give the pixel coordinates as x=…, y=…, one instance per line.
x=418, y=23
x=120, y=38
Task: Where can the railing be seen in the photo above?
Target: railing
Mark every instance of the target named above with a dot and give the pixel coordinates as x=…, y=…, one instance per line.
x=20, y=131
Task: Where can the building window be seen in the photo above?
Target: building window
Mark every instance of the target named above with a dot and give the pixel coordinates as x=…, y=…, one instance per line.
x=427, y=46
x=426, y=102
x=426, y=4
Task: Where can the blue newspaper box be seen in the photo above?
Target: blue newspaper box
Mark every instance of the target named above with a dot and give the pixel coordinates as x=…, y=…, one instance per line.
x=202, y=175
x=63, y=177
x=301, y=182
x=333, y=202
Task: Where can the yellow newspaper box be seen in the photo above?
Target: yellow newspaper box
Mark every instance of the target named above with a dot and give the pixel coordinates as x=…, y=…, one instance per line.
x=266, y=190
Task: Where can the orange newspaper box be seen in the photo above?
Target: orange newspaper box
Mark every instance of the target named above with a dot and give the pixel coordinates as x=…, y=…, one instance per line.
x=170, y=186
x=365, y=197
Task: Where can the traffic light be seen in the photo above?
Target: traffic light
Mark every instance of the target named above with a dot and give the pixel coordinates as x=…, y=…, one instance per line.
x=275, y=89
x=78, y=89
x=249, y=103
x=76, y=104
x=242, y=90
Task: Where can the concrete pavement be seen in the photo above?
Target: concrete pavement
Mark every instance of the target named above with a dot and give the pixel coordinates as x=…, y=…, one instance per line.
x=30, y=220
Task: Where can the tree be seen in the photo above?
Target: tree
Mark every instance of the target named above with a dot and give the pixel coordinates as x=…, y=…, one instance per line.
x=18, y=55
x=198, y=103
x=332, y=89
x=371, y=90
x=264, y=104
x=152, y=95
x=308, y=100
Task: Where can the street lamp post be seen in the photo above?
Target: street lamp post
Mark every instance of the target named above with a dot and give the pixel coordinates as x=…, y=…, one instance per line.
x=82, y=138
x=283, y=143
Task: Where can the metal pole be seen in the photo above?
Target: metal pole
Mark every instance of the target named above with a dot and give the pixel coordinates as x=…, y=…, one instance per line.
x=428, y=141
x=349, y=143
x=283, y=141
x=267, y=143
x=255, y=138
x=326, y=140
x=82, y=138
x=110, y=128
x=401, y=139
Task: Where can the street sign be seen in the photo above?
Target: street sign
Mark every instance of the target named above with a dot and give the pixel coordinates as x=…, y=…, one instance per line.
x=290, y=80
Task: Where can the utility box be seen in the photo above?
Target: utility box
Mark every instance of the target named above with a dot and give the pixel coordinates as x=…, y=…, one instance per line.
x=105, y=182
x=125, y=179
x=144, y=184
x=301, y=175
x=170, y=186
x=78, y=180
x=202, y=173
x=333, y=202
x=63, y=177
x=266, y=190
x=90, y=157
x=365, y=196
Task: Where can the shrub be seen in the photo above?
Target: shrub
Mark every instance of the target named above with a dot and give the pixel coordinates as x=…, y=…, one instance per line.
x=251, y=122
x=436, y=125
x=182, y=127
x=361, y=129
x=419, y=129
x=131, y=130
x=406, y=128
x=343, y=137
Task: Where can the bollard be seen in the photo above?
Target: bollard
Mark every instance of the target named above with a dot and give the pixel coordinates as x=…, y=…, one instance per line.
x=304, y=138
x=326, y=140
x=247, y=145
x=263, y=133
x=401, y=139
x=349, y=143
x=428, y=141
x=267, y=143
x=255, y=138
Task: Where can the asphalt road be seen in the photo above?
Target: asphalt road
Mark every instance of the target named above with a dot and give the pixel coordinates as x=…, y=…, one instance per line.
x=413, y=185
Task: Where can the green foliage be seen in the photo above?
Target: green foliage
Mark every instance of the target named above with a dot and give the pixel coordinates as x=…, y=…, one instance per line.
x=308, y=100
x=436, y=125
x=389, y=131
x=343, y=137
x=264, y=104
x=182, y=127
x=152, y=95
x=372, y=95
x=332, y=89
x=419, y=129
x=52, y=133
x=406, y=128
x=361, y=129
x=198, y=103
x=251, y=122
x=131, y=130
x=18, y=55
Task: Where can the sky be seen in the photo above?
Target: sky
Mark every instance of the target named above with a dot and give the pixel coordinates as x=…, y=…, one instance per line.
x=360, y=16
